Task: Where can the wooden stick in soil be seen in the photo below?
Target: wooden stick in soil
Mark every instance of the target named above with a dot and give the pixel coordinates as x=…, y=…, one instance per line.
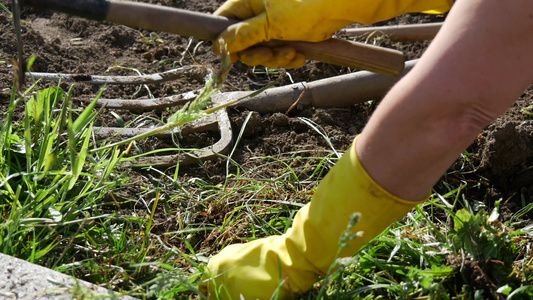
x=208, y=27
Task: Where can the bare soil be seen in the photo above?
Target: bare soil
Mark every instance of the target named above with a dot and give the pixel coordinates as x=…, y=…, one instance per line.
x=500, y=158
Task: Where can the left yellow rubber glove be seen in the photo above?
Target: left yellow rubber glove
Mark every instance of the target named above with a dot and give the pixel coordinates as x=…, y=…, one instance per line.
x=303, y=20
x=255, y=270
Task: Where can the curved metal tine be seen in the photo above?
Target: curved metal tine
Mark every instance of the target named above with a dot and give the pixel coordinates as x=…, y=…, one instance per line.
x=221, y=147
x=186, y=71
x=204, y=124
x=148, y=104
x=164, y=102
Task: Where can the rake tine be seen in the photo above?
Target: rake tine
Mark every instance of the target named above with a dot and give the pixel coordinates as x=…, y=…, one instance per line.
x=147, y=104
x=218, y=119
x=187, y=71
x=207, y=123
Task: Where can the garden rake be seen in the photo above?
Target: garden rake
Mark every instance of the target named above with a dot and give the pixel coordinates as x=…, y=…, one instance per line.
x=216, y=122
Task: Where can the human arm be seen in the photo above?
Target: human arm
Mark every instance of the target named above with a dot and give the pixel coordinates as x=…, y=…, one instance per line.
x=476, y=67
x=307, y=20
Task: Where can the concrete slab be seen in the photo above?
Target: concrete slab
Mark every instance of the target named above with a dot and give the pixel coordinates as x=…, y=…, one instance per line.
x=23, y=280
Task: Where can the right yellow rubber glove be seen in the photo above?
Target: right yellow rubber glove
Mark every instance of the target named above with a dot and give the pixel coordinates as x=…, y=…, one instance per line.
x=306, y=251
x=303, y=20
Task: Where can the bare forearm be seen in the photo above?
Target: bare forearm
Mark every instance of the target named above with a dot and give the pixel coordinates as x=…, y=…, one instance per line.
x=477, y=66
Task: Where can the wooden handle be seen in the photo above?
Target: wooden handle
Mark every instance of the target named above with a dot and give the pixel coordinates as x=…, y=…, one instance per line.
x=352, y=54
x=208, y=27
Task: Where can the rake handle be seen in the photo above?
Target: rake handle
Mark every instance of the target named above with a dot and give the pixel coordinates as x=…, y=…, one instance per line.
x=207, y=27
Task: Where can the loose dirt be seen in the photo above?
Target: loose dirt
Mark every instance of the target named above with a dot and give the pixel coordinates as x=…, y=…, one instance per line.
x=500, y=159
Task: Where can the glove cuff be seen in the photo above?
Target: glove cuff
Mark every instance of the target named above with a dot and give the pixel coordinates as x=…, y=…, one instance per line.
x=372, y=184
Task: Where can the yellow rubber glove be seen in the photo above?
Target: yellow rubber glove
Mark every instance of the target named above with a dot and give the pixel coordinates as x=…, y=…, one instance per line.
x=303, y=20
x=306, y=251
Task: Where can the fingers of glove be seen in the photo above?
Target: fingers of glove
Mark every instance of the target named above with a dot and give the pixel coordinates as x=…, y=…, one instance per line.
x=298, y=61
x=286, y=57
x=240, y=9
x=249, y=271
x=234, y=57
x=279, y=57
x=246, y=34
x=256, y=56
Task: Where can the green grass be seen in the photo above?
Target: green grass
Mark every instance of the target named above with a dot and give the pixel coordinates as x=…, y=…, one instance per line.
x=3, y=7
x=424, y=258
x=67, y=203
